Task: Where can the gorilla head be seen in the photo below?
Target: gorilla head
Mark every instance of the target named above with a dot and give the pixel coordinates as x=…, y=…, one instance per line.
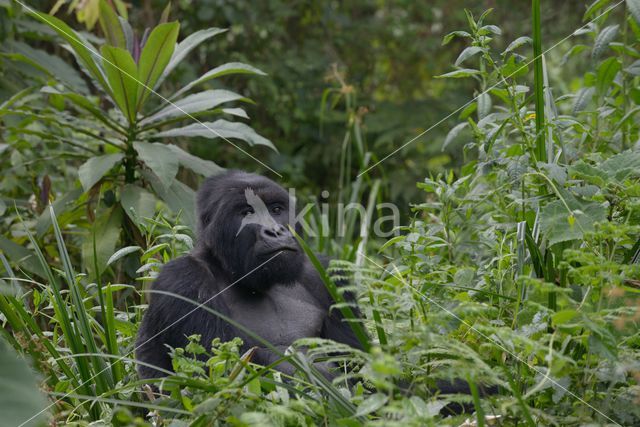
x=243, y=221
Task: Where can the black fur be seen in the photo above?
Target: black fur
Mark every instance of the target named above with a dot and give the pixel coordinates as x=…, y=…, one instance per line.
x=281, y=301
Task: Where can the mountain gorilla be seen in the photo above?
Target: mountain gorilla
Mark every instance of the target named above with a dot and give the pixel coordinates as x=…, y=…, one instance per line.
x=247, y=266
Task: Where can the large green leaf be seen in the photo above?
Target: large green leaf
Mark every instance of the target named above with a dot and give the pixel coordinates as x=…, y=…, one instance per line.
x=96, y=167
x=21, y=402
x=606, y=74
x=219, y=129
x=154, y=58
x=111, y=25
x=21, y=256
x=137, y=202
x=615, y=169
x=160, y=159
x=222, y=70
x=186, y=46
x=78, y=44
x=62, y=205
x=122, y=73
x=560, y=224
x=107, y=233
x=178, y=197
x=49, y=64
x=195, y=103
x=196, y=164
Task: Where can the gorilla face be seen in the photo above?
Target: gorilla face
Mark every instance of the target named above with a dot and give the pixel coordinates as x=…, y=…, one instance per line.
x=243, y=223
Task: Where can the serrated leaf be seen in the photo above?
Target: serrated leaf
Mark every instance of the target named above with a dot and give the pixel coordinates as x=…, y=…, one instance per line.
x=96, y=167
x=121, y=253
x=222, y=70
x=196, y=164
x=155, y=57
x=560, y=224
x=582, y=99
x=137, y=203
x=458, y=74
x=110, y=25
x=160, y=159
x=121, y=72
x=195, y=103
x=219, y=129
x=186, y=46
x=468, y=53
x=606, y=36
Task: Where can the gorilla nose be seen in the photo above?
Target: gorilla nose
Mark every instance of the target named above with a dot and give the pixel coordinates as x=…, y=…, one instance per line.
x=276, y=232
x=278, y=237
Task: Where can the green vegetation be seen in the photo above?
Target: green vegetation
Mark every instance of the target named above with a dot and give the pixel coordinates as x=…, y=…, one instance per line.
x=517, y=262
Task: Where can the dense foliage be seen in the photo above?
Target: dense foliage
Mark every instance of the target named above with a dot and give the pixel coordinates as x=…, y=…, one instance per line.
x=516, y=264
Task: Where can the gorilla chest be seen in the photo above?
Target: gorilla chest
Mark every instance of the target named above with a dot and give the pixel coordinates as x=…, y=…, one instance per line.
x=281, y=316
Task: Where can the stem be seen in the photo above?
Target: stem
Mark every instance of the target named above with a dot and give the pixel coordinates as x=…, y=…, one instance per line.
x=540, y=150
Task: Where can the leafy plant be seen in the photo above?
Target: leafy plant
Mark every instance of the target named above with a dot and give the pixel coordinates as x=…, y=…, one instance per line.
x=125, y=166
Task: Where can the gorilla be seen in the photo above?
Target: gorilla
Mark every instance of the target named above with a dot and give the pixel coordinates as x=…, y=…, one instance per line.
x=246, y=265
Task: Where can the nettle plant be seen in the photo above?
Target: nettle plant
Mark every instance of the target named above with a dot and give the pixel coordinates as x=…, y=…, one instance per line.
x=535, y=243
x=128, y=169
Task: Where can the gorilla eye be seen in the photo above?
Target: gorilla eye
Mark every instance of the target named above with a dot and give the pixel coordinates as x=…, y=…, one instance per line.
x=276, y=209
x=246, y=211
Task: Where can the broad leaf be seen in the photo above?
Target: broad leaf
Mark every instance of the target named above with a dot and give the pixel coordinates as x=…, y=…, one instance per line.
x=21, y=256
x=21, y=401
x=468, y=53
x=121, y=253
x=606, y=73
x=96, y=167
x=582, y=99
x=107, y=233
x=222, y=70
x=78, y=44
x=517, y=43
x=178, y=197
x=196, y=164
x=195, y=103
x=634, y=8
x=154, y=58
x=453, y=134
x=186, y=46
x=560, y=224
x=137, y=202
x=606, y=36
x=110, y=25
x=62, y=206
x=160, y=159
x=458, y=74
x=614, y=170
x=122, y=72
x=219, y=129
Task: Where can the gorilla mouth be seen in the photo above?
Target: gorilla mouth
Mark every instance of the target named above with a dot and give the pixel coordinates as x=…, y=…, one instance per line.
x=284, y=248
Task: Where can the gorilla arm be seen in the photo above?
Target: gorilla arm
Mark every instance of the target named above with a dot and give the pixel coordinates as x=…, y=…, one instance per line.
x=169, y=320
